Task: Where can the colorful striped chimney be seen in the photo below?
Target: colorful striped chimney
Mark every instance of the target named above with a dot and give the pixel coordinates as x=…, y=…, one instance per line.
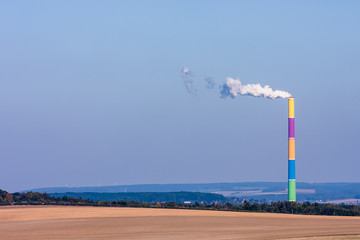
x=291, y=161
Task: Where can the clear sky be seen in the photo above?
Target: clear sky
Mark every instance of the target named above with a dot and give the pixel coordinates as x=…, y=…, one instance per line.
x=91, y=92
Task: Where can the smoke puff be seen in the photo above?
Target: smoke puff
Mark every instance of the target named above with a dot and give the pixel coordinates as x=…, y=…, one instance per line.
x=233, y=87
x=186, y=71
x=187, y=77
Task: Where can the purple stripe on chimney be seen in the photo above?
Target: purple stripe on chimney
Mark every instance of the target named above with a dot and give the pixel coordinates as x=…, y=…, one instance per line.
x=291, y=127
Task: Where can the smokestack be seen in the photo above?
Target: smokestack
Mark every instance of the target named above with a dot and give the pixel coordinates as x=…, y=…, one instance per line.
x=291, y=161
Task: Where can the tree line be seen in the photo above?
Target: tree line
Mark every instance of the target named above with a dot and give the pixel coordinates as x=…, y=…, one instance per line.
x=36, y=198
x=150, y=197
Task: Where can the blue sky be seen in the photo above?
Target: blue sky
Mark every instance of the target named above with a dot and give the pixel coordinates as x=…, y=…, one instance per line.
x=91, y=92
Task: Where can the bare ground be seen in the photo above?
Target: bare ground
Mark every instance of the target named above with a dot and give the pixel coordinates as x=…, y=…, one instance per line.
x=52, y=222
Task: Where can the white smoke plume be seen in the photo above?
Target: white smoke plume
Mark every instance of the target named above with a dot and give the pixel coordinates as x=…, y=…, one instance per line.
x=186, y=71
x=233, y=87
x=187, y=75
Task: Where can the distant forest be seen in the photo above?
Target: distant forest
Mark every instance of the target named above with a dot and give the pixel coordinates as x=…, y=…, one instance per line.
x=150, y=197
x=264, y=191
x=36, y=198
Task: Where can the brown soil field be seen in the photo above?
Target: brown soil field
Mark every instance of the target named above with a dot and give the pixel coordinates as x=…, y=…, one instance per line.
x=56, y=222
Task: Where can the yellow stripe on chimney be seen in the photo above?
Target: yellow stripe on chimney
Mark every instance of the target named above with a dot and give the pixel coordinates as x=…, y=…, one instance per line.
x=291, y=149
x=291, y=107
